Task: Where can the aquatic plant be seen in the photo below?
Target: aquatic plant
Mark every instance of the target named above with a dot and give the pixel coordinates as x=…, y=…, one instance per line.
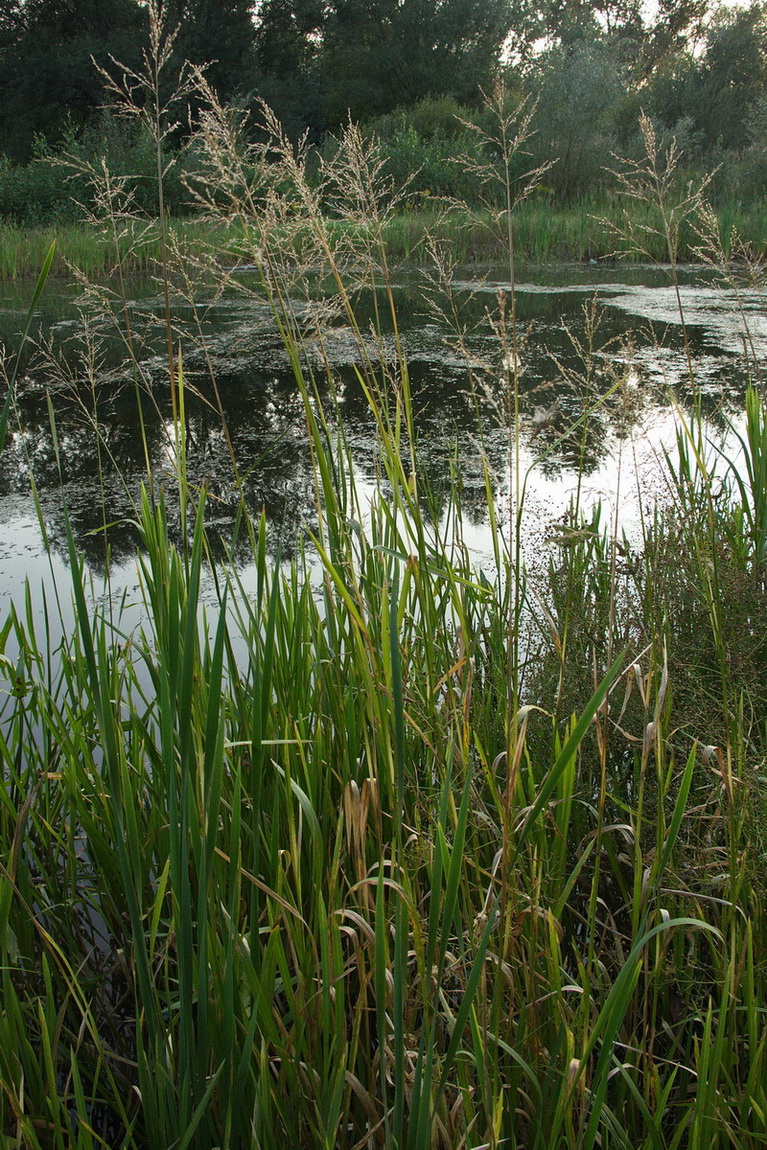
x=314, y=868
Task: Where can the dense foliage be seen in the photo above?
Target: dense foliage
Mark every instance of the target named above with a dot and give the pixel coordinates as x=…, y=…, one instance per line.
x=699, y=72
x=389, y=851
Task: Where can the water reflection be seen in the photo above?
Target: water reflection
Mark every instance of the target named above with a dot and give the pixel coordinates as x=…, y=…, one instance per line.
x=589, y=374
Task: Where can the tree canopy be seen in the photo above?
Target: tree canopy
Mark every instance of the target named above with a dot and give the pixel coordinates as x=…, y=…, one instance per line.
x=219, y=35
x=381, y=54
x=48, y=84
x=326, y=60
x=590, y=63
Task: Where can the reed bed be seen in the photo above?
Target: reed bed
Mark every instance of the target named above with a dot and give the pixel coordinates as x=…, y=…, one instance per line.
x=88, y=251
x=391, y=878
x=545, y=233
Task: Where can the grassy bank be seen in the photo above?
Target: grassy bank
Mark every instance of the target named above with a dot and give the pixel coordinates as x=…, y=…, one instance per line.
x=543, y=233
x=407, y=873
x=91, y=251
x=549, y=233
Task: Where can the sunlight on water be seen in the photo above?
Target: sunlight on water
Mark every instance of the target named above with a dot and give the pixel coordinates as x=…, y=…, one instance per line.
x=627, y=418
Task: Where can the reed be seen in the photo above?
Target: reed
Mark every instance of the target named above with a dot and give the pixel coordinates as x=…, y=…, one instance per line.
x=354, y=888
x=90, y=252
x=545, y=233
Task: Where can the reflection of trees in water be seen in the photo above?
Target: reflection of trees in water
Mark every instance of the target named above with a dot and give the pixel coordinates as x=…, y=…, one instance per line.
x=101, y=463
x=102, y=457
x=449, y=468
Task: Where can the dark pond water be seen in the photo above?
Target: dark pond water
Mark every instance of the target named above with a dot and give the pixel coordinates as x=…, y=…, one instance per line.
x=585, y=331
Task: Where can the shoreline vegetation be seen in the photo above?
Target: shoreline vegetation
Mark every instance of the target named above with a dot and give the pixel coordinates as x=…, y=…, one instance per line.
x=442, y=859
x=543, y=233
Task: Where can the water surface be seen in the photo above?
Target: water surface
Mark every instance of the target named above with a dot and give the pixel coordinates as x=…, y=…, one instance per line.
x=597, y=344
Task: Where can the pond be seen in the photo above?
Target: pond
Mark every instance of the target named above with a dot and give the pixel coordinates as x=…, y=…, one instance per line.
x=601, y=353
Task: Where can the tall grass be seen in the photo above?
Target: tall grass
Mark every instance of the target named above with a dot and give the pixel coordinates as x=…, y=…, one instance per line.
x=355, y=888
x=545, y=233
x=90, y=252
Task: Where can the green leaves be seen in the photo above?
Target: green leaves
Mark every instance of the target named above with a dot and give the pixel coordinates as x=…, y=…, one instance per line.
x=39, y=286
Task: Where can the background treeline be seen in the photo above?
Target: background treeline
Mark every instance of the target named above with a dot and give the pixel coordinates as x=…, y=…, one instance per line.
x=412, y=70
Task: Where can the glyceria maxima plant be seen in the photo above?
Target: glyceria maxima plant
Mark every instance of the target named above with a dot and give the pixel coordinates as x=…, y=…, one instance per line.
x=314, y=895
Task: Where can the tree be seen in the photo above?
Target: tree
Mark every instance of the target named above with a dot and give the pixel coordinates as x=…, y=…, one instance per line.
x=577, y=89
x=48, y=84
x=674, y=23
x=567, y=22
x=287, y=34
x=10, y=21
x=718, y=93
x=219, y=35
x=381, y=54
x=328, y=59
x=733, y=76
x=287, y=47
x=642, y=42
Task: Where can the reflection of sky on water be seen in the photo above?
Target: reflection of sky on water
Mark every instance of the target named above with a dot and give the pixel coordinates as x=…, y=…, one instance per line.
x=22, y=556
x=267, y=426
x=721, y=313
